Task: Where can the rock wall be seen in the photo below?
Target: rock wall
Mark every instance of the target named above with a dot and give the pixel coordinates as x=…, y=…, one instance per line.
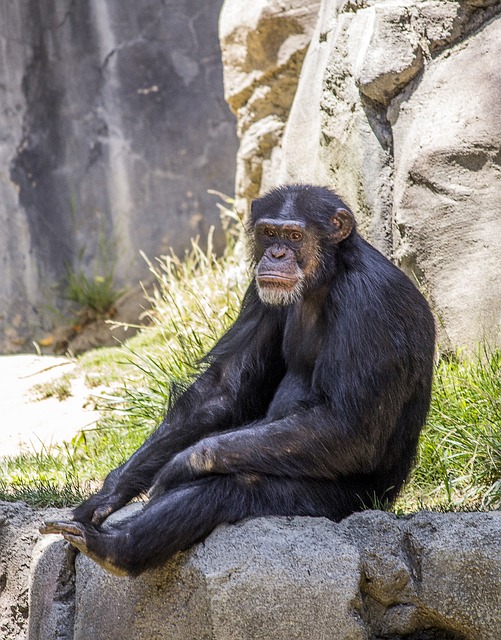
x=372, y=576
x=396, y=108
x=263, y=46
x=113, y=127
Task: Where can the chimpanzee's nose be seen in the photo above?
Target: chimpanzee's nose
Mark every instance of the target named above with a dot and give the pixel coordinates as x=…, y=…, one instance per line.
x=278, y=251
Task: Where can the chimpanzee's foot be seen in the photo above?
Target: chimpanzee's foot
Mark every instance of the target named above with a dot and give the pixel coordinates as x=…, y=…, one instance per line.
x=88, y=540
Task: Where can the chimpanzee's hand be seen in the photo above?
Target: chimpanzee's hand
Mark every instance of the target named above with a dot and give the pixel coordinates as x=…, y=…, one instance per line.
x=192, y=463
x=98, y=507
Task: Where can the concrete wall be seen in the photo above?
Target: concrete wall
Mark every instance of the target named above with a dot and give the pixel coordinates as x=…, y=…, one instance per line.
x=113, y=127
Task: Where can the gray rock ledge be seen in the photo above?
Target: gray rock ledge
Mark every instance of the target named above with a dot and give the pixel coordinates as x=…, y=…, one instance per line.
x=373, y=576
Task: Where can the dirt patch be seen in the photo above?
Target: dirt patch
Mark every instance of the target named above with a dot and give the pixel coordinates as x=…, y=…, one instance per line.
x=30, y=423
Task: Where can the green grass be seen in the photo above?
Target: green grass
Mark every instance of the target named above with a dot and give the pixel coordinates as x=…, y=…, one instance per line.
x=96, y=293
x=195, y=300
x=459, y=462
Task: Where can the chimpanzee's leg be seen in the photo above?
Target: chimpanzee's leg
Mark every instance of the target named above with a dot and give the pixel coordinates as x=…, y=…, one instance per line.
x=182, y=516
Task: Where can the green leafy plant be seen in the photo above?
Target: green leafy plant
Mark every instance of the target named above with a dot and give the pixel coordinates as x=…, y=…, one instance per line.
x=97, y=293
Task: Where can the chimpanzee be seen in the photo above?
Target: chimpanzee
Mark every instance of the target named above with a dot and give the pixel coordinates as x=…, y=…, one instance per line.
x=310, y=405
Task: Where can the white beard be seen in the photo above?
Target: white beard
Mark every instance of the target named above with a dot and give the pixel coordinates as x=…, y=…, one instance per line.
x=279, y=296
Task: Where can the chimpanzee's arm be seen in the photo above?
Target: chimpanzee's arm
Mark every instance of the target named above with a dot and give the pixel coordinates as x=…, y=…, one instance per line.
x=306, y=444
x=221, y=398
x=341, y=435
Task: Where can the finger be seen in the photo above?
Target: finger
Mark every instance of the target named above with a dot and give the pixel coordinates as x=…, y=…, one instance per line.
x=101, y=514
x=77, y=541
x=59, y=527
x=50, y=527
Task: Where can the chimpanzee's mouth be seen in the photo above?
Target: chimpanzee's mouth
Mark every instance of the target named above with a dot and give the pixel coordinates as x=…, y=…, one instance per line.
x=274, y=280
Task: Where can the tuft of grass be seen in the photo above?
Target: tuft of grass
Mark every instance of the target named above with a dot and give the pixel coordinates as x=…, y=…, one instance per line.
x=459, y=459
x=196, y=299
x=48, y=478
x=59, y=388
x=97, y=293
x=43, y=494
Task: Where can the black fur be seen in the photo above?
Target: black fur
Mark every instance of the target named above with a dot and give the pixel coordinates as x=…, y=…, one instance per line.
x=309, y=409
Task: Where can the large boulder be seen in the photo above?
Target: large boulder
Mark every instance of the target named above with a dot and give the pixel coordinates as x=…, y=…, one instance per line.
x=256, y=580
x=447, y=185
x=396, y=109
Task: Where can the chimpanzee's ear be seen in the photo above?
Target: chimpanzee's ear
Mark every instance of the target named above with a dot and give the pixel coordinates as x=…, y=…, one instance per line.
x=343, y=223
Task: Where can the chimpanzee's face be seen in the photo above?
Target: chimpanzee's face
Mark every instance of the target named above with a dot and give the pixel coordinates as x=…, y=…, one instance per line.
x=285, y=255
x=289, y=243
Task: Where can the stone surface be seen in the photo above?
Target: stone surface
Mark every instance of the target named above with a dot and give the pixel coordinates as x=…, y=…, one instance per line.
x=113, y=129
x=263, y=45
x=396, y=109
x=18, y=538
x=52, y=592
x=447, y=185
x=430, y=571
x=282, y=578
x=380, y=76
x=424, y=577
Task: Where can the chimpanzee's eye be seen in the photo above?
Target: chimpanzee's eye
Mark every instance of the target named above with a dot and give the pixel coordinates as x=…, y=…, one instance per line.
x=269, y=232
x=296, y=236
